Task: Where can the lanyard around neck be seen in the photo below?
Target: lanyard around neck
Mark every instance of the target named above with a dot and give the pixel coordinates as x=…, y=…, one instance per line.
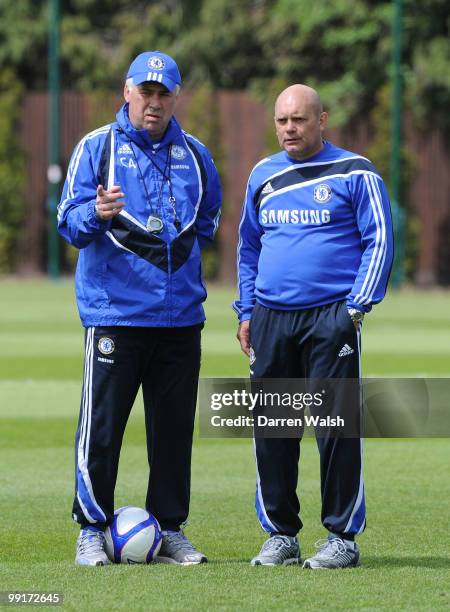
x=165, y=174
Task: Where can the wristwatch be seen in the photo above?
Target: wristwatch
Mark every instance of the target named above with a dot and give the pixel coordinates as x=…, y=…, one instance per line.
x=355, y=315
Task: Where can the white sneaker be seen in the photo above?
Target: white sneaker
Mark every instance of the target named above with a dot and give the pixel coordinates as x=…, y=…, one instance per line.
x=91, y=548
x=278, y=550
x=333, y=553
x=176, y=549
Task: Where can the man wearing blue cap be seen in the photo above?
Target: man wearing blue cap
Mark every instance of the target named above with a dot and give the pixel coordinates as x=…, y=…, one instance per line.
x=141, y=198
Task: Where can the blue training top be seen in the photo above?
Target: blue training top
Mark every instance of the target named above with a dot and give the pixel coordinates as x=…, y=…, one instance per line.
x=127, y=275
x=314, y=232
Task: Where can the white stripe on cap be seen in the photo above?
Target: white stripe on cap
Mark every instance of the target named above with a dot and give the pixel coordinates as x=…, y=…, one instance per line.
x=154, y=76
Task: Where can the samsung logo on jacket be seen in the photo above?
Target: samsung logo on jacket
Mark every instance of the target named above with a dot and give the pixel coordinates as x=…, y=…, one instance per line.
x=295, y=216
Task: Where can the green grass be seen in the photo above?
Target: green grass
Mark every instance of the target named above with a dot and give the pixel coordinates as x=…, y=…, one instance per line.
x=406, y=557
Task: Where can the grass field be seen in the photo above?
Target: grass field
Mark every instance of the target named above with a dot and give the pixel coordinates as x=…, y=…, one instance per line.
x=406, y=552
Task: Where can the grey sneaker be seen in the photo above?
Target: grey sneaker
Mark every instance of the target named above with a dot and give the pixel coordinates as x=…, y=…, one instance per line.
x=176, y=548
x=333, y=553
x=91, y=548
x=278, y=550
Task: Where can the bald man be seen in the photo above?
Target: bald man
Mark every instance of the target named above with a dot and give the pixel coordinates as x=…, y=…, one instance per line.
x=314, y=255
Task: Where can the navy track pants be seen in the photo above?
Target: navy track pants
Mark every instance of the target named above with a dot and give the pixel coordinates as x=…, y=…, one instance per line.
x=118, y=361
x=321, y=342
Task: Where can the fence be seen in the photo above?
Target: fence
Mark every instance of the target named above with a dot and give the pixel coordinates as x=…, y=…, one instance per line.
x=243, y=126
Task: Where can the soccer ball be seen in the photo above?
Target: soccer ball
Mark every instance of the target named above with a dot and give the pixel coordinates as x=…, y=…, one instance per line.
x=133, y=537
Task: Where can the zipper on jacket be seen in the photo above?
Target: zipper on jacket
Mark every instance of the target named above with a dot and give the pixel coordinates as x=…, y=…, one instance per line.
x=165, y=218
x=162, y=211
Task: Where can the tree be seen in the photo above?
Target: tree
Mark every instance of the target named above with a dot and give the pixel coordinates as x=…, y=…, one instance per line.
x=342, y=47
x=12, y=168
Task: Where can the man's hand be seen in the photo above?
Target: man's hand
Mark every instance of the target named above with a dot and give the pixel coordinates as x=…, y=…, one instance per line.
x=107, y=204
x=243, y=335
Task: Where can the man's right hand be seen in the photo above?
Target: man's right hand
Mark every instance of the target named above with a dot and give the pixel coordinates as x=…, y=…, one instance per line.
x=243, y=335
x=107, y=204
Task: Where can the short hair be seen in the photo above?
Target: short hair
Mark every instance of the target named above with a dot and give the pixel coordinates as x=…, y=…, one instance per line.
x=130, y=84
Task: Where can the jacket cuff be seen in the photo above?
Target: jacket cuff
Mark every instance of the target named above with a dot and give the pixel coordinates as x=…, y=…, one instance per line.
x=94, y=221
x=352, y=304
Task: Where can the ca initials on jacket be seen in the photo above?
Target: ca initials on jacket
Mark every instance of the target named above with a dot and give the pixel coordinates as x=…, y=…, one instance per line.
x=127, y=162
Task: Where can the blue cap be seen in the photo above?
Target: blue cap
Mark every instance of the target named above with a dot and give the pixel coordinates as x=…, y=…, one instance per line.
x=155, y=66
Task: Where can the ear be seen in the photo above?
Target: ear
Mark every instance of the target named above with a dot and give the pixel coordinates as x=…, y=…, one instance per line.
x=323, y=119
x=126, y=92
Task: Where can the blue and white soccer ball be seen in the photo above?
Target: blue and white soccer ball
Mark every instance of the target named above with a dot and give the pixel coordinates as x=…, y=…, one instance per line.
x=133, y=537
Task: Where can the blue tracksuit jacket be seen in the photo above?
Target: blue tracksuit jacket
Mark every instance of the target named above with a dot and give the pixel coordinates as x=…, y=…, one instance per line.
x=126, y=275
x=314, y=232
